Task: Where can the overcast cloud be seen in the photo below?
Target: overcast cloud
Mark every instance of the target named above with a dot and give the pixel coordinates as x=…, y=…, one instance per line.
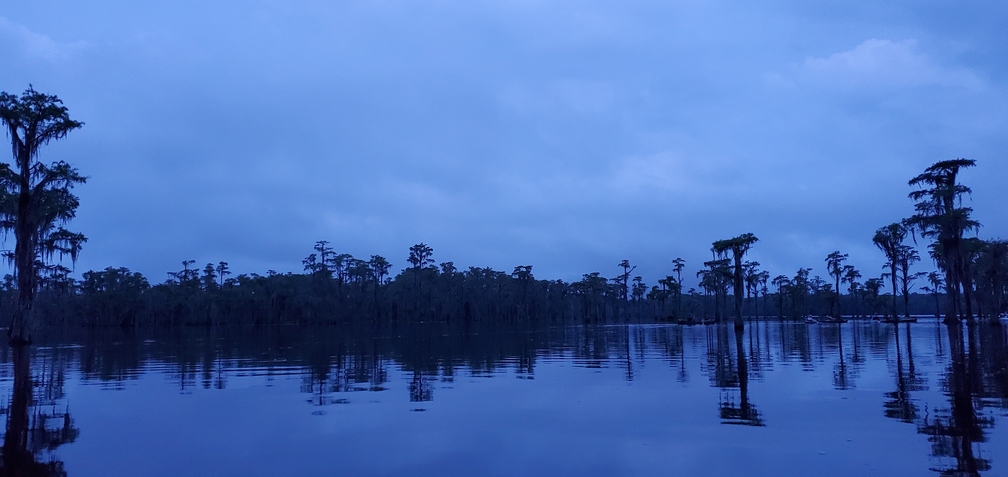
x=568, y=135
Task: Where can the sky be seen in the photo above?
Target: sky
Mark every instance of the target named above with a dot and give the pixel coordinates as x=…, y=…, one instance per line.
x=567, y=135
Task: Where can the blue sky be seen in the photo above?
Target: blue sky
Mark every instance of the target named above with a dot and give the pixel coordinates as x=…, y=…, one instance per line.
x=565, y=135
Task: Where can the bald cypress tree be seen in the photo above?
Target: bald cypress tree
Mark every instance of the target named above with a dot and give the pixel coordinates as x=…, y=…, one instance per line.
x=834, y=266
x=36, y=199
x=889, y=239
x=738, y=247
x=941, y=216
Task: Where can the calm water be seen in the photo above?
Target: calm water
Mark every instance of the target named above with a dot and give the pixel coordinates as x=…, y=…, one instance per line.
x=854, y=399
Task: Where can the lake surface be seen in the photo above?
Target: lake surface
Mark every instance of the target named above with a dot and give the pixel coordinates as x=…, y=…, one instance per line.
x=860, y=398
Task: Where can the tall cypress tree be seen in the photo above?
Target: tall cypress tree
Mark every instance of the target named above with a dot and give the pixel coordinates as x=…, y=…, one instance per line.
x=36, y=199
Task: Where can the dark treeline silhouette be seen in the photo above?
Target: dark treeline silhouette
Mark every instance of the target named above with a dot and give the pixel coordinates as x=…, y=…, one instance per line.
x=37, y=200
x=339, y=288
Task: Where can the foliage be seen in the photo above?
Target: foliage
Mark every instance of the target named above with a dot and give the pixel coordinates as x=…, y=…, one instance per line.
x=36, y=199
x=941, y=217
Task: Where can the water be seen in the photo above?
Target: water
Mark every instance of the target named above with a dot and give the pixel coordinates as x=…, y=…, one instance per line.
x=826, y=399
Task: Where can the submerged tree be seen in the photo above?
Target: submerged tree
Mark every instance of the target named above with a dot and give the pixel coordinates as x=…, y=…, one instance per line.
x=738, y=246
x=677, y=266
x=850, y=277
x=940, y=216
x=990, y=270
x=751, y=278
x=36, y=199
x=872, y=287
x=935, y=284
x=889, y=239
x=834, y=265
x=906, y=257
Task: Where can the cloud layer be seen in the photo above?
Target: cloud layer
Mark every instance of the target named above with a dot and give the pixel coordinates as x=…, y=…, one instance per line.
x=566, y=135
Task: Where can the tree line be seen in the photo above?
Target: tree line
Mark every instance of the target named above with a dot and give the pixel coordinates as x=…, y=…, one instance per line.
x=37, y=201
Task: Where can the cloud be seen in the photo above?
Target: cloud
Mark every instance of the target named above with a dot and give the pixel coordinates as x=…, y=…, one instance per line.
x=36, y=45
x=568, y=136
x=884, y=64
x=671, y=173
x=578, y=96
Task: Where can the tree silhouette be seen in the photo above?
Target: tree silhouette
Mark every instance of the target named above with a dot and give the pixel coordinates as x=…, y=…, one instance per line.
x=934, y=287
x=889, y=239
x=420, y=255
x=209, y=279
x=639, y=288
x=762, y=279
x=990, y=270
x=379, y=268
x=625, y=277
x=782, y=283
x=872, y=288
x=419, y=258
x=677, y=266
x=834, y=265
x=850, y=277
x=941, y=217
x=36, y=199
x=222, y=271
x=751, y=274
x=799, y=288
x=714, y=280
x=906, y=256
x=738, y=246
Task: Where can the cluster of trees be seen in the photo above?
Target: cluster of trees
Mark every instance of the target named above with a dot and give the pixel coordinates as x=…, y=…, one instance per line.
x=340, y=288
x=973, y=272
x=334, y=288
x=37, y=200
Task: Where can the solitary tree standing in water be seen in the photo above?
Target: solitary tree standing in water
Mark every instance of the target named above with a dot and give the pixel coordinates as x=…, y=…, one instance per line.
x=834, y=265
x=35, y=199
x=738, y=246
x=889, y=239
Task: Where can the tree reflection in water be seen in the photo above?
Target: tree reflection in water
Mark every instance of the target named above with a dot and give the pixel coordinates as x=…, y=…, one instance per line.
x=745, y=413
x=900, y=404
x=33, y=431
x=423, y=362
x=954, y=431
x=843, y=376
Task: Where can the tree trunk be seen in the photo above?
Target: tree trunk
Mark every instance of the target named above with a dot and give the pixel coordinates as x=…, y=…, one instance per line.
x=24, y=261
x=739, y=324
x=895, y=314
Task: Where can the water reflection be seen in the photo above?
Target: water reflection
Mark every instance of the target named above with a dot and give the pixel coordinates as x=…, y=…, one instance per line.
x=843, y=375
x=35, y=427
x=744, y=413
x=954, y=431
x=422, y=365
x=899, y=404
